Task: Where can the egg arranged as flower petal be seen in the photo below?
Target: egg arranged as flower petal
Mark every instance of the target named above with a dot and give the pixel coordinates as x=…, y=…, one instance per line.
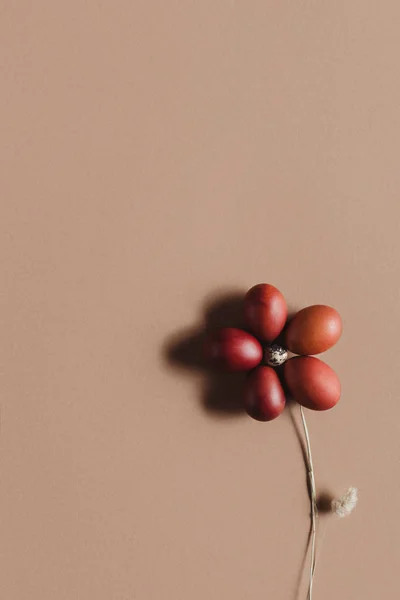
x=232, y=349
x=265, y=311
x=312, y=383
x=313, y=330
x=264, y=397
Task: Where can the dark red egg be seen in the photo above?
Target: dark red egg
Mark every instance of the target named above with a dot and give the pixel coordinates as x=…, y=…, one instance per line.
x=312, y=383
x=313, y=330
x=265, y=311
x=264, y=397
x=232, y=350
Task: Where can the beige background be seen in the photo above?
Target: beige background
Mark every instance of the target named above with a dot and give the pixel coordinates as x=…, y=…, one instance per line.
x=155, y=156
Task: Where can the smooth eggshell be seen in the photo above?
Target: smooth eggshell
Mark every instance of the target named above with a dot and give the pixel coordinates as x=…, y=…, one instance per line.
x=312, y=383
x=264, y=397
x=313, y=330
x=232, y=350
x=265, y=311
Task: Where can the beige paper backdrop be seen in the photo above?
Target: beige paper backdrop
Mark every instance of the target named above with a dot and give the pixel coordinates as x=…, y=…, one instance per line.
x=157, y=156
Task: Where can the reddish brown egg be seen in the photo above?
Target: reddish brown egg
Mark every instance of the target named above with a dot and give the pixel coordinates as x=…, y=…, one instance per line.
x=265, y=311
x=263, y=395
x=312, y=383
x=313, y=330
x=232, y=350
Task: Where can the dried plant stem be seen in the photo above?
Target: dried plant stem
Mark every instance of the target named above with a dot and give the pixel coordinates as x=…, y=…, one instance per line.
x=313, y=501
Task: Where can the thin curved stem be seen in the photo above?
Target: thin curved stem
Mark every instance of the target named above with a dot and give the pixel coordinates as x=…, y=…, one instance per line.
x=313, y=501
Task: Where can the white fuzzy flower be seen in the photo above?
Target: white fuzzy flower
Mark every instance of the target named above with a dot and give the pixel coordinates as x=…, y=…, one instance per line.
x=346, y=504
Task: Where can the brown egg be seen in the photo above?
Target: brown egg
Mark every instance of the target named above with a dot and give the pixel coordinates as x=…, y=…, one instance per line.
x=263, y=396
x=313, y=330
x=312, y=383
x=232, y=349
x=265, y=311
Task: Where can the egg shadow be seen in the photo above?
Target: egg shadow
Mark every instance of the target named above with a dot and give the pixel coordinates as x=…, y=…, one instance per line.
x=221, y=394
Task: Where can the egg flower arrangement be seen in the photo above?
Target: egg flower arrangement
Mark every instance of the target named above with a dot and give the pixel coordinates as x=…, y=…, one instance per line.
x=263, y=349
x=310, y=381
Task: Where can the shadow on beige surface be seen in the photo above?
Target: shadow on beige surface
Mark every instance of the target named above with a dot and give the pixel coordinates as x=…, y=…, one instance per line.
x=221, y=393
